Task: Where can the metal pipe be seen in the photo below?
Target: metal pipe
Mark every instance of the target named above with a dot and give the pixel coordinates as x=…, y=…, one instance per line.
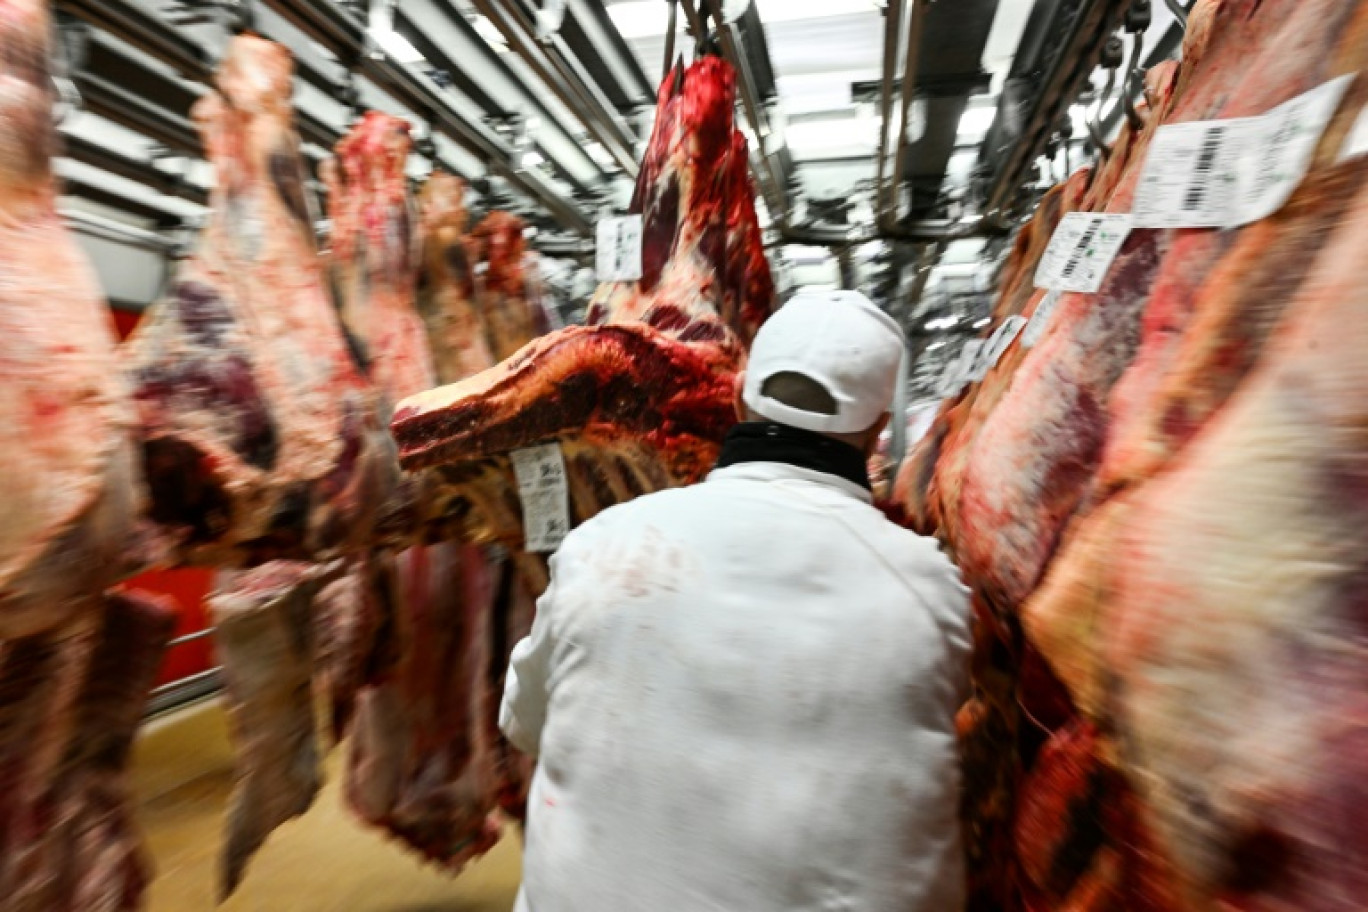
x=928, y=231
x=695, y=23
x=541, y=65
x=670, y=38
x=892, y=28
x=143, y=31
x=112, y=230
x=1180, y=13
x=192, y=637
x=911, y=61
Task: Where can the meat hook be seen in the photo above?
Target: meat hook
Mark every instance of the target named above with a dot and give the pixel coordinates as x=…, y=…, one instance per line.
x=1113, y=55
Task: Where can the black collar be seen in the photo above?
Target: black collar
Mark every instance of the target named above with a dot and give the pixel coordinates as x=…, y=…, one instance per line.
x=765, y=441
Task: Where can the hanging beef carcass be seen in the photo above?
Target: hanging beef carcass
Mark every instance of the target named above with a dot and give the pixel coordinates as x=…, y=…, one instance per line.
x=71, y=701
x=264, y=637
x=374, y=256
x=70, y=490
x=420, y=764
x=640, y=399
x=260, y=432
x=1034, y=461
x=506, y=306
x=448, y=289
x=1223, y=636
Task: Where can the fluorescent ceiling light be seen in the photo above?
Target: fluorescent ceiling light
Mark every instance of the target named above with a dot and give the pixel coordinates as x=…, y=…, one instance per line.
x=599, y=154
x=935, y=345
x=942, y=323
x=982, y=323
x=490, y=33
x=815, y=136
x=532, y=159
x=650, y=18
x=397, y=46
x=975, y=122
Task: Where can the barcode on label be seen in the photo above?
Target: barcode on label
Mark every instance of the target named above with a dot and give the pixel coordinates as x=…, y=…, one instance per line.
x=1202, y=171
x=1081, y=250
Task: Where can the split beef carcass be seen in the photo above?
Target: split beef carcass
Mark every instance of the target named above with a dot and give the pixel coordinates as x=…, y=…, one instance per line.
x=70, y=491
x=261, y=436
x=506, y=302
x=1212, y=614
x=264, y=636
x=419, y=764
x=374, y=257
x=71, y=701
x=1034, y=462
x=448, y=291
x=641, y=398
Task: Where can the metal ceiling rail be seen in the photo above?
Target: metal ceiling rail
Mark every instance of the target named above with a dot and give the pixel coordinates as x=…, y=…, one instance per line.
x=888, y=213
x=1070, y=64
x=145, y=32
x=892, y=28
x=600, y=124
x=121, y=106
x=97, y=156
x=439, y=58
x=343, y=33
x=419, y=95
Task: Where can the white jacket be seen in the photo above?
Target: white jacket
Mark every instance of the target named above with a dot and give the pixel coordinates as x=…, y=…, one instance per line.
x=742, y=696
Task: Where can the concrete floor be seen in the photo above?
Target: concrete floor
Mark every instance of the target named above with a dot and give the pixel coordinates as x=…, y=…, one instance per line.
x=322, y=862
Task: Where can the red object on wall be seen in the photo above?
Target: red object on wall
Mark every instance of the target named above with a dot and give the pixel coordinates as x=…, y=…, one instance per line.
x=188, y=588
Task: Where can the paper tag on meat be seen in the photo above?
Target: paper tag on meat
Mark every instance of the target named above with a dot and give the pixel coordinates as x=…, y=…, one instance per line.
x=1190, y=179
x=1082, y=250
x=618, y=253
x=999, y=342
x=1226, y=173
x=545, y=496
x=1273, y=164
x=1357, y=142
x=1040, y=320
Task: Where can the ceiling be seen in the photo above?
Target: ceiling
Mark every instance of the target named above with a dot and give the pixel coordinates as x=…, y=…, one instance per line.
x=552, y=124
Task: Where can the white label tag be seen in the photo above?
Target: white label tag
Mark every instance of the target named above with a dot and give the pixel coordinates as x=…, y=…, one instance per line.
x=1040, y=320
x=1082, y=250
x=1357, y=141
x=999, y=342
x=1189, y=177
x=967, y=365
x=1285, y=139
x=1226, y=173
x=618, y=254
x=544, y=494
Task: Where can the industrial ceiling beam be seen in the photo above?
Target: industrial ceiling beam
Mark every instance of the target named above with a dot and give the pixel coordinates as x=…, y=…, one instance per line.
x=327, y=22
x=601, y=123
x=96, y=156
x=893, y=16
x=1085, y=26
x=888, y=212
x=145, y=32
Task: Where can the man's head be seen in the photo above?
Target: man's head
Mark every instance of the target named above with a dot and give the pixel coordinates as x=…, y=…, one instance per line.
x=825, y=362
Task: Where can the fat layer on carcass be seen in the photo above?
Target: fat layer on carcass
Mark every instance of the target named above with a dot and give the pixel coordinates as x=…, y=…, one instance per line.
x=260, y=434
x=70, y=491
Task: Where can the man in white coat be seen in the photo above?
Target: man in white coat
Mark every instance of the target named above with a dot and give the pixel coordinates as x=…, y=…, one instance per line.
x=742, y=694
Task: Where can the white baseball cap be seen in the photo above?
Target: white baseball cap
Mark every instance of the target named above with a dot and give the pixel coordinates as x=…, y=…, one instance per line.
x=838, y=339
